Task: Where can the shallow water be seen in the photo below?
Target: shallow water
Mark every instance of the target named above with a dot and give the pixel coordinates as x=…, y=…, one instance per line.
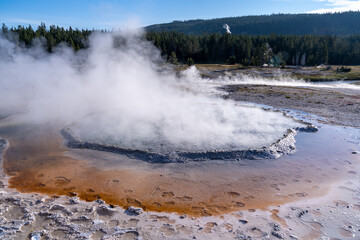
x=38, y=162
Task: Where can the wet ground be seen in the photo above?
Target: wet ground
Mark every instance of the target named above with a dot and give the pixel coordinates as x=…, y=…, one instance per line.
x=337, y=106
x=38, y=162
x=311, y=194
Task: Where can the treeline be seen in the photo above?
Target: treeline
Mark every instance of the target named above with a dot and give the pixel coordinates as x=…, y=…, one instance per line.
x=259, y=50
x=345, y=23
x=50, y=37
x=215, y=48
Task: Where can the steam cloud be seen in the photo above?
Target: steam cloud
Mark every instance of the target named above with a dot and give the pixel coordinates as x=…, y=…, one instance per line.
x=227, y=28
x=117, y=92
x=281, y=80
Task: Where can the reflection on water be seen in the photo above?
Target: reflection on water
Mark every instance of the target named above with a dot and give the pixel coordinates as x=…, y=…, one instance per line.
x=38, y=162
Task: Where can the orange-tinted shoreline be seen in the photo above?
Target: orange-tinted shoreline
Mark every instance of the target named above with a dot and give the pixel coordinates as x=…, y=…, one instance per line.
x=37, y=162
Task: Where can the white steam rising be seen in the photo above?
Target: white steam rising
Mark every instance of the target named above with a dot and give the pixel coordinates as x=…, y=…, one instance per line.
x=115, y=92
x=227, y=28
x=209, y=85
x=288, y=82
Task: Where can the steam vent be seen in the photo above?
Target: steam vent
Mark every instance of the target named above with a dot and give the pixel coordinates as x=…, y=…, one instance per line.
x=240, y=142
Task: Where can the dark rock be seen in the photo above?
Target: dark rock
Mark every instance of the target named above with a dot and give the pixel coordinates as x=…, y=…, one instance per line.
x=45, y=214
x=301, y=213
x=39, y=201
x=15, y=201
x=277, y=235
x=99, y=201
x=133, y=211
x=308, y=128
x=275, y=227
x=74, y=201
x=243, y=221
x=29, y=217
x=81, y=219
x=105, y=211
x=242, y=236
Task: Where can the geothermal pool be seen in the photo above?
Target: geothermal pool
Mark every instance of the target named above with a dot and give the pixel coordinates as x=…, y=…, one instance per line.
x=38, y=161
x=121, y=97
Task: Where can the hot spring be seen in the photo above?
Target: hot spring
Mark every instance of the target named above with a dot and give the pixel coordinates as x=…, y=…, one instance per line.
x=119, y=96
x=221, y=126
x=118, y=93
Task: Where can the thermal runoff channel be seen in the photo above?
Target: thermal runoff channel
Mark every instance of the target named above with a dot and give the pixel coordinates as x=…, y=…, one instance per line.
x=118, y=91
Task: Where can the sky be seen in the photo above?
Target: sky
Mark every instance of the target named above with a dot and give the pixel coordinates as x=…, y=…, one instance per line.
x=110, y=14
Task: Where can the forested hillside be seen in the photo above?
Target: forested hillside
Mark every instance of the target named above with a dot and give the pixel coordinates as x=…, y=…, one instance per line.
x=281, y=24
x=259, y=50
x=213, y=48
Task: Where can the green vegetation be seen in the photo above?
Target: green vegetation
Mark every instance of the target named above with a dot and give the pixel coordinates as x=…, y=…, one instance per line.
x=173, y=58
x=50, y=38
x=247, y=50
x=231, y=60
x=278, y=50
x=190, y=62
x=343, y=69
x=345, y=23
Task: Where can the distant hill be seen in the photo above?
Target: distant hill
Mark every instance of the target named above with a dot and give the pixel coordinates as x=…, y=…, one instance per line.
x=345, y=23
